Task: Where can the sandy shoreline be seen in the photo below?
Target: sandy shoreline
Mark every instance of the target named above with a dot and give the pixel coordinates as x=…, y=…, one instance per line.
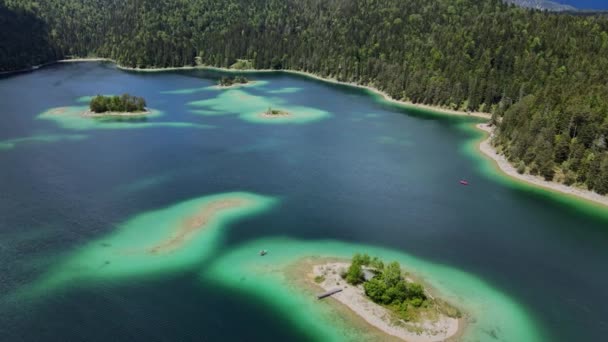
x=486, y=148
x=235, y=85
x=90, y=114
x=384, y=95
x=442, y=329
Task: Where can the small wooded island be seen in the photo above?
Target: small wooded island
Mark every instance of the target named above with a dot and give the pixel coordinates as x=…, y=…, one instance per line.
x=275, y=112
x=389, y=299
x=232, y=81
x=117, y=105
x=385, y=285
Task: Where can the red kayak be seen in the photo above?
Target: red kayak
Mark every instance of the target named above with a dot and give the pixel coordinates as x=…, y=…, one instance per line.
x=464, y=182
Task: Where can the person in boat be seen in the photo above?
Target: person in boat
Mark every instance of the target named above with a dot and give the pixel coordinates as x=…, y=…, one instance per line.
x=263, y=252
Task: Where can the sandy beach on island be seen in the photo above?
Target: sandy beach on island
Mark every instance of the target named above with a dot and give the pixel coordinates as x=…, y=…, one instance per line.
x=362, y=313
x=274, y=116
x=235, y=85
x=486, y=148
x=191, y=226
x=90, y=114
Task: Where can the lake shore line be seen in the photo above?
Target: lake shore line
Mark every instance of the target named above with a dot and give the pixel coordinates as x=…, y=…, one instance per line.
x=501, y=162
x=371, y=89
x=360, y=312
x=484, y=147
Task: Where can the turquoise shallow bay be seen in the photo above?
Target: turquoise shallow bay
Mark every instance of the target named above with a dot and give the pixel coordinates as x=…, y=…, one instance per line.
x=492, y=314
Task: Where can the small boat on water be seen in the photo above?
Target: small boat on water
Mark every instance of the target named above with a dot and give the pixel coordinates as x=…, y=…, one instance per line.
x=263, y=252
x=464, y=182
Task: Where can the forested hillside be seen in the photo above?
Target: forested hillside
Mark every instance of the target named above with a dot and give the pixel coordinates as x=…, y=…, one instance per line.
x=24, y=40
x=545, y=74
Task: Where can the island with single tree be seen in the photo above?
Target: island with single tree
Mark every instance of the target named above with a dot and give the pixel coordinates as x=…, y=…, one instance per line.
x=235, y=81
x=124, y=105
x=389, y=299
x=274, y=113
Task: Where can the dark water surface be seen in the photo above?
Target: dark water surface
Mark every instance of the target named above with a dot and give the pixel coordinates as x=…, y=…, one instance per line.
x=586, y=4
x=369, y=172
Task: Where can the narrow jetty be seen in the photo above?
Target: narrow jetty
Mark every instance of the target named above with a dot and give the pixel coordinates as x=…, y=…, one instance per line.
x=328, y=293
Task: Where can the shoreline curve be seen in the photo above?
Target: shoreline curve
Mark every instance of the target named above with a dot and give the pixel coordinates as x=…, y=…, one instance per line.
x=502, y=164
x=483, y=146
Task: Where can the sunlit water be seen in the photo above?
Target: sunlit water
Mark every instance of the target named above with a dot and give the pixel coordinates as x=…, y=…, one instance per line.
x=347, y=167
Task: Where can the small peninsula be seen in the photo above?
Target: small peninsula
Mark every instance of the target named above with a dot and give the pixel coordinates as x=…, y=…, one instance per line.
x=124, y=105
x=226, y=82
x=388, y=299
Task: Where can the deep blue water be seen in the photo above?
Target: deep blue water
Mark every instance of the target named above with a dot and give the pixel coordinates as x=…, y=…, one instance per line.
x=586, y=4
x=370, y=173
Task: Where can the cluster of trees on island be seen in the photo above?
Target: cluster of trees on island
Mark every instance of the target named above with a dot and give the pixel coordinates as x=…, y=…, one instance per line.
x=271, y=112
x=229, y=81
x=388, y=286
x=543, y=73
x=120, y=104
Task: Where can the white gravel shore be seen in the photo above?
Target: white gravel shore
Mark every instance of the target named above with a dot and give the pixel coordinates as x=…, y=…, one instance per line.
x=355, y=299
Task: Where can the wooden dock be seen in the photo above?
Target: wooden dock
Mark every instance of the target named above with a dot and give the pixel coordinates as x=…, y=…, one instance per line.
x=328, y=293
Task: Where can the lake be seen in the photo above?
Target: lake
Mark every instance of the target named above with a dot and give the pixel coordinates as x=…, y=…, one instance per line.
x=347, y=172
x=586, y=4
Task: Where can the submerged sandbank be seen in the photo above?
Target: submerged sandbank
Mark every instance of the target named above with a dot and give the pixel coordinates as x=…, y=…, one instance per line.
x=189, y=91
x=156, y=242
x=251, y=108
x=193, y=225
x=42, y=138
x=490, y=313
x=372, y=89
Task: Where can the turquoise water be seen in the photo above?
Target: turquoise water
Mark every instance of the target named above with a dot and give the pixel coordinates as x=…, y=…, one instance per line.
x=84, y=202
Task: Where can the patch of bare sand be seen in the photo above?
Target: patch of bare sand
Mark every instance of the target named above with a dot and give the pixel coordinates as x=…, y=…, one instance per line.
x=90, y=114
x=193, y=225
x=274, y=116
x=57, y=111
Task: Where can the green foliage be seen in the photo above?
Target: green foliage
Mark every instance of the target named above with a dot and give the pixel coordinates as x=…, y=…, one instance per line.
x=354, y=274
x=123, y=104
x=543, y=73
x=521, y=167
x=376, y=263
x=229, y=81
x=242, y=64
x=391, y=275
x=24, y=38
x=362, y=259
x=389, y=287
x=375, y=290
x=319, y=279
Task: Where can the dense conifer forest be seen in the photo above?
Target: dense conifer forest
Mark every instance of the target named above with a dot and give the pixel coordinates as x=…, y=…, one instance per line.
x=118, y=104
x=545, y=75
